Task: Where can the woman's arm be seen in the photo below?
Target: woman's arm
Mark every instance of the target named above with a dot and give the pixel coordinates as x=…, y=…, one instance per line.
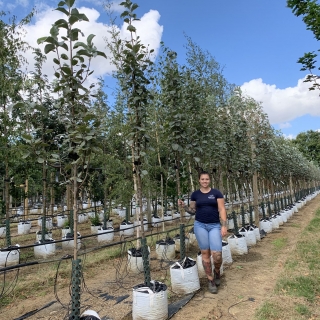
x=223, y=216
x=192, y=206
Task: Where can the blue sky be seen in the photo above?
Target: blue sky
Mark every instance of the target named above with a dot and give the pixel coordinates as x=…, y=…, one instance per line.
x=257, y=42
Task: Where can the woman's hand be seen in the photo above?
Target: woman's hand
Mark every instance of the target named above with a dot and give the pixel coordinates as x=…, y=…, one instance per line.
x=223, y=231
x=180, y=203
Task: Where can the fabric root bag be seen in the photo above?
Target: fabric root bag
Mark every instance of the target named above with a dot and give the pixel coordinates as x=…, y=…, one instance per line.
x=184, y=276
x=150, y=303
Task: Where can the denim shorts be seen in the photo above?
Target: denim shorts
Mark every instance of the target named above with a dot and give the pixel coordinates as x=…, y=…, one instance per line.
x=208, y=235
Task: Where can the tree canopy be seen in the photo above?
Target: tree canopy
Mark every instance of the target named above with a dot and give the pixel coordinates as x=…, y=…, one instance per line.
x=310, y=12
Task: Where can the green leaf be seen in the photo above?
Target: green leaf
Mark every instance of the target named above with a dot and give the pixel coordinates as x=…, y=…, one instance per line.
x=40, y=160
x=102, y=54
x=64, y=56
x=83, y=52
x=90, y=37
x=61, y=23
x=175, y=146
x=66, y=70
x=41, y=40
x=131, y=28
x=56, y=61
x=63, y=10
x=134, y=7
x=48, y=48
x=25, y=155
x=80, y=44
x=73, y=19
x=26, y=137
x=40, y=108
x=69, y=3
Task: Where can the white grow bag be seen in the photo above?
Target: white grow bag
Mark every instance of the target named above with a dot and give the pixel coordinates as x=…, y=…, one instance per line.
x=226, y=253
x=2, y=232
x=10, y=258
x=249, y=235
x=177, y=243
x=135, y=260
x=90, y=315
x=105, y=235
x=137, y=224
x=275, y=222
x=149, y=305
x=165, y=249
x=167, y=218
x=255, y=230
x=266, y=225
x=47, y=235
x=70, y=244
x=126, y=229
x=184, y=281
x=64, y=231
x=280, y=219
x=48, y=222
x=230, y=224
x=284, y=216
x=289, y=213
x=200, y=268
x=46, y=249
x=238, y=244
x=156, y=221
x=24, y=227
x=61, y=220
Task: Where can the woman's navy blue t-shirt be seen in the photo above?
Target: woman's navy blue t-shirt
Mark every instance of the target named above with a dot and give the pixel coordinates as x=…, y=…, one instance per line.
x=207, y=205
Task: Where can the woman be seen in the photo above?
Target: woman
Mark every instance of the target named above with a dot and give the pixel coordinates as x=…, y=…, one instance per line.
x=209, y=227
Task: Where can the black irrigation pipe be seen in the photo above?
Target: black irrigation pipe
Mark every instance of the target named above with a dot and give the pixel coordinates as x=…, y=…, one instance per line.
x=27, y=264
x=81, y=237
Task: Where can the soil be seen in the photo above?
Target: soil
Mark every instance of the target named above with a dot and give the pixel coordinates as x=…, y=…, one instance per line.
x=245, y=284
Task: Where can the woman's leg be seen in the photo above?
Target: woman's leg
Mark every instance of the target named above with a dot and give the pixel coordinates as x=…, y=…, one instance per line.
x=202, y=236
x=216, y=250
x=206, y=262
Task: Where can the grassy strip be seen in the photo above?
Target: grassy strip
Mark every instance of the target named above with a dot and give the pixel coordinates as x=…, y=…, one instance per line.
x=297, y=292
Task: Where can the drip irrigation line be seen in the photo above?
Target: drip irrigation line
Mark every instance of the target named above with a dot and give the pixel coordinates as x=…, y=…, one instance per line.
x=249, y=299
x=5, y=291
x=55, y=287
x=65, y=257
x=31, y=313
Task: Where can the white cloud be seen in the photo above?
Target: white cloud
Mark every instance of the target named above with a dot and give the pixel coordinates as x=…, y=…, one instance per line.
x=284, y=125
x=289, y=136
x=150, y=33
x=283, y=105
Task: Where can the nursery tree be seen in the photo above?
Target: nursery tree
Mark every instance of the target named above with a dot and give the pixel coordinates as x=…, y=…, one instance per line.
x=310, y=12
x=132, y=59
x=309, y=145
x=12, y=48
x=79, y=144
x=72, y=62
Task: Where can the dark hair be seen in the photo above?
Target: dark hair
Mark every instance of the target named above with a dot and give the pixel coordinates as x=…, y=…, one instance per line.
x=203, y=172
